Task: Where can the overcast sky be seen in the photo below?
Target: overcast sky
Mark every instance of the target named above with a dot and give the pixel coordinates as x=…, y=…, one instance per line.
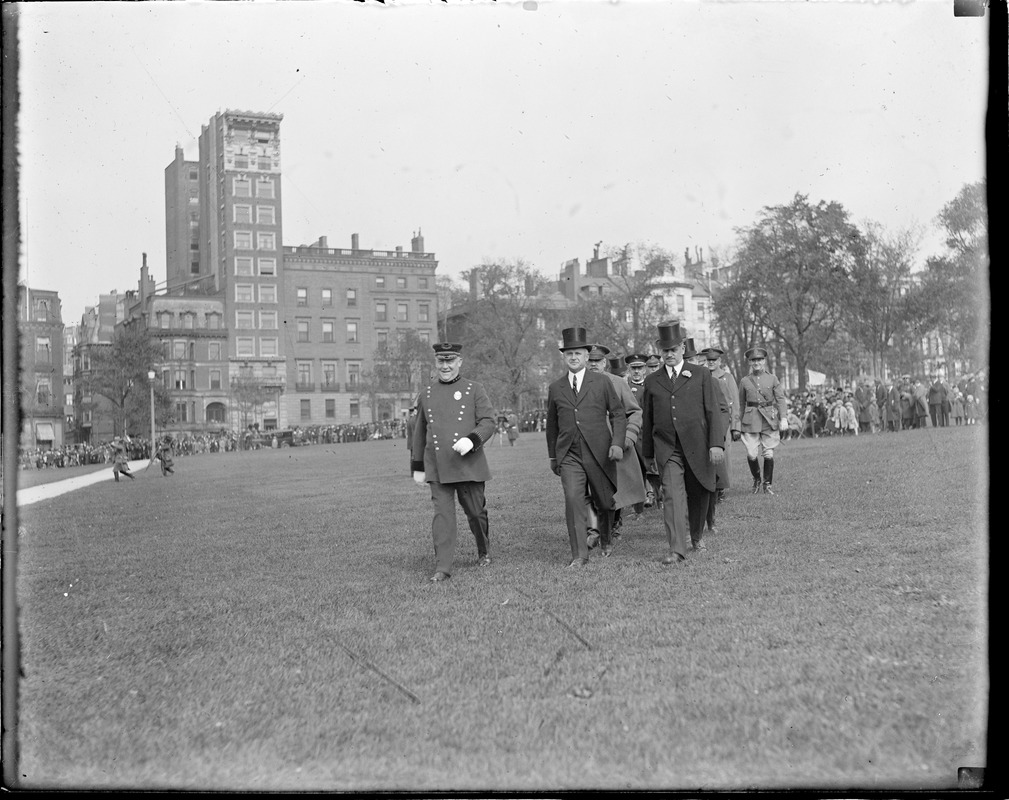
x=501, y=131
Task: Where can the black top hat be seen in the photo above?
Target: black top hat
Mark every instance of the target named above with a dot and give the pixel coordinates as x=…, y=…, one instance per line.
x=616, y=363
x=671, y=334
x=635, y=359
x=756, y=352
x=598, y=351
x=574, y=338
x=689, y=350
x=446, y=350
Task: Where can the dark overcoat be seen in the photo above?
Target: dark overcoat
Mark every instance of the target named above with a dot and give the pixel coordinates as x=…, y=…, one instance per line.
x=447, y=412
x=597, y=413
x=688, y=410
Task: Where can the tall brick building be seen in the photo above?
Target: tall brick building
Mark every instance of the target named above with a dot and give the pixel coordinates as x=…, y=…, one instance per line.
x=41, y=390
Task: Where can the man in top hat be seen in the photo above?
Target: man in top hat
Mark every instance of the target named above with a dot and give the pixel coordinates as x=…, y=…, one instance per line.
x=616, y=365
x=730, y=394
x=454, y=420
x=682, y=430
x=637, y=371
x=586, y=432
x=763, y=418
x=630, y=483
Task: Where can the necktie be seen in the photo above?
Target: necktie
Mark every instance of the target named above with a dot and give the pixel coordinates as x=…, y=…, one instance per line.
x=574, y=384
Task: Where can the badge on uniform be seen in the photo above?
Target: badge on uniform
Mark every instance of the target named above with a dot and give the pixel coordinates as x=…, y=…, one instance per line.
x=458, y=395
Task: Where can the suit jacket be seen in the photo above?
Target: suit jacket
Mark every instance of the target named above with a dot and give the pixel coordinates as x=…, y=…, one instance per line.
x=630, y=482
x=688, y=410
x=447, y=412
x=597, y=414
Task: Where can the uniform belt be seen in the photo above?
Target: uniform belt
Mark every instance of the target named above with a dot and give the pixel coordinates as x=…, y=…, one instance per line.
x=758, y=405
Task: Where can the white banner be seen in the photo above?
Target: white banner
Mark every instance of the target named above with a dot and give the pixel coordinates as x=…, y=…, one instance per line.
x=814, y=378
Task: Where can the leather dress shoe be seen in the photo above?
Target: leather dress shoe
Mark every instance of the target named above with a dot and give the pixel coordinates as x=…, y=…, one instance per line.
x=700, y=545
x=438, y=577
x=607, y=549
x=484, y=561
x=712, y=530
x=593, y=538
x=671, y=559
x=578, y=562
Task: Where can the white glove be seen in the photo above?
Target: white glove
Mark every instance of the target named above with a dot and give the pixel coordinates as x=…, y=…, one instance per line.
x=783, y=425
x=463, y=446
x=418, y=477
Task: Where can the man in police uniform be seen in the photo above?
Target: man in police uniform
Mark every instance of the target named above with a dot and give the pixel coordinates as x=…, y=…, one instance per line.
x=454, y=420
x=764, y=416
x=586, y=433
x=637, y=371
x=630, y=484
x=681, y=429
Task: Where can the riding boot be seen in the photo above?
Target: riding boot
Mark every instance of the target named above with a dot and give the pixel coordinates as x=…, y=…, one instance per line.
x=768, y=475
x=755, y=472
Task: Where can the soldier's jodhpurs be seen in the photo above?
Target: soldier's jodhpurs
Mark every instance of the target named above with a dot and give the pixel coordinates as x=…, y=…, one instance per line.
x=443, y=526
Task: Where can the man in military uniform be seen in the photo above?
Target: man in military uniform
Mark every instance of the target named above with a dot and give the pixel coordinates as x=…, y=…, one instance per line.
x=586, y=433
x=730, y=419
x=637, y=371
x=630, y=484
x=653, y=362
x=764, y=416
x=681, y=429
x=454, y=421
x=121, y=458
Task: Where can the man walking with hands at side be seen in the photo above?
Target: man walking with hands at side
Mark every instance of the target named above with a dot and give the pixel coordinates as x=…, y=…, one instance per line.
x=763, y=418
x=454, y=420
x=586, y=431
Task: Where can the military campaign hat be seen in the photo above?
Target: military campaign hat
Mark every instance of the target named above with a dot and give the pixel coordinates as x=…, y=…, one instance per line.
x=653, y=360
x=756, y=352
x=636, y=359
x=597, y=352
x=713, y=353
x=574, y=338
x=446, y=351
x=671, y=334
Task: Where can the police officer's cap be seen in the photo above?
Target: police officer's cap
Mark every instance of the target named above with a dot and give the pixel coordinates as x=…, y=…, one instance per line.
x=446, y=351
x=636, y=360
x=756, y=352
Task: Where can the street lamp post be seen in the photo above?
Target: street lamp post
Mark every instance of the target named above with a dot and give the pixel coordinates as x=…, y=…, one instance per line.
x=150, y=379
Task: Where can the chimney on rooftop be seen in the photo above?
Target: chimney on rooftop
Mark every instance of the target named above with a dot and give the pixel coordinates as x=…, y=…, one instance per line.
x=323, y=242
x=354, y=241
x=417, y=242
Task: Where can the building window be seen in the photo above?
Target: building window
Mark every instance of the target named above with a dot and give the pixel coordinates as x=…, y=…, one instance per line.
x=701, y=310
x=42, y=392
x=194, y=267
x=241, y=187
x=214, y=351
x=179, y=350
x=215, y=412
x=328, y=373
x=243, y=265
x=423, y=312
x=330, y=408
x=352, y=332
x=188, y=320
x=353, y=375
x=165, y=319
x=382, y=336
x=213, y=321
x=264, y=188
x=194, y=175
x=351, y=297
x=266, y=241
x=180, y=379
x=303, y=330
x=243, y=293
x=680, y=304
x=243, y=213
x=327, y=297
x=194, y=197
x=328, y=328
x=182, y=412
x=381, y=312
x=424, y=336
x=215, y=379
x=380, y=282
x=267, y=266
x=166, y=349
x=245, y=346
x=306, y=409
x=400, y=283
x=263, y=164
x=267, y=293
x=421, y=283
x=43, y=350
x=245, y=320
x=302, y=294
x=268, y=348
x=268, y=320
x=402, y=312
x=266, y=215
x=241, y=162
x=243, y=240
x=355, y=409
x=304, y=373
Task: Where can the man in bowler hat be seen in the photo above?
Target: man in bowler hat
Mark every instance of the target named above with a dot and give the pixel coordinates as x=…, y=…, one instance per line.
x=454, y=421
x=586, y=432
x=681, y=429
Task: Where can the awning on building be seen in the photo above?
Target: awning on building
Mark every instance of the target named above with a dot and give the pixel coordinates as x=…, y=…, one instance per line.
x=44, y=432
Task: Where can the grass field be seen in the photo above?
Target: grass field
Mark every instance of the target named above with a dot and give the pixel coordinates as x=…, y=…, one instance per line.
x=263, y=621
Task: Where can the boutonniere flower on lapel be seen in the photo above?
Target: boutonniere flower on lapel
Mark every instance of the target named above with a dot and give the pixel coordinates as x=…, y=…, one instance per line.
x=685, y=373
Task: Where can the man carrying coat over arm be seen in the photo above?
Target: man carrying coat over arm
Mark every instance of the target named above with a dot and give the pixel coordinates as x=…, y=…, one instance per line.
x=586, y=432
x=454, y=420
x=681, y=428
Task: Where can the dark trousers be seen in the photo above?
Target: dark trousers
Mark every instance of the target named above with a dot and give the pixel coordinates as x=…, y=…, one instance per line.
x=685, y=503
x=580, y=474
x=443, y=526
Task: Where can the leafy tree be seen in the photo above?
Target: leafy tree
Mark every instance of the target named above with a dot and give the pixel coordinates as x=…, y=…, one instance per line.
x=400, y=367
x=119, y=373
x=797, y=263
x=734, y=311
x=879, y=314
x=249, y=394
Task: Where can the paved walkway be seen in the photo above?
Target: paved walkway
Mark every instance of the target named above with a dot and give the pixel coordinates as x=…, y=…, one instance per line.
x=47, y=491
